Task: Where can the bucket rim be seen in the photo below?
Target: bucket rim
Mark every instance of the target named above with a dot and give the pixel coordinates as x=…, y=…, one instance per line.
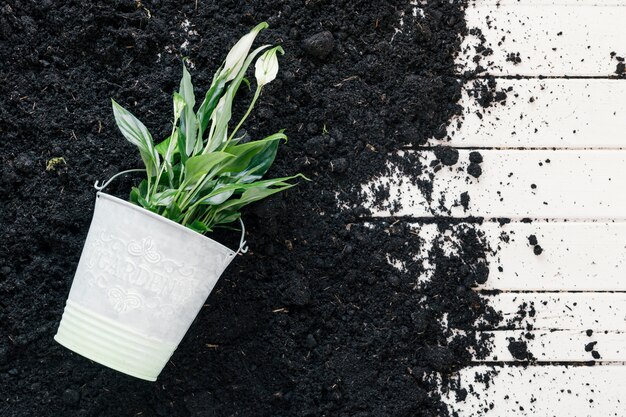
x=231, y=253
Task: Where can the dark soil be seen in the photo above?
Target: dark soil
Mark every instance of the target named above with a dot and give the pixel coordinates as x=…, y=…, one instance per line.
x=514, y=57
x=475, y=157
x=620, y=68
x=519, y=350
x=446, y=155
x=474, y=170
x=314, y=320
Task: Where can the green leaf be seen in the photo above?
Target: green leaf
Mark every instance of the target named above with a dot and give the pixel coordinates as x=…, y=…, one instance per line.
x=229, y=210
x=198, y=226
x=226, y=217
x=136, y=133
x=188, y=121
x=138, y=194
x=222, y=114
x=174, y=212
x=181, y=146
x=162, y=147
x=168, y=150
x=258, y=191
x=208, y=105
x=206, y=164
x=164, y=198
x=219, y=198
x=252, y=159
x=220, y=189
x=171, y=148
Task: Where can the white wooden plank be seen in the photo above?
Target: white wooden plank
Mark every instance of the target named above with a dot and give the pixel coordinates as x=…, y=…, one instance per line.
x=546, y=391
x=543, y=3
x=543, y=113
x=576, y=256
x=558, y=184
x=562, y=311
x=552, y=38
x=582, y=256
x=554, y=346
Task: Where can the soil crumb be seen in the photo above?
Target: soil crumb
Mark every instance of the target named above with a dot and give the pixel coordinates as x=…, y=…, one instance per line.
x=519, y=350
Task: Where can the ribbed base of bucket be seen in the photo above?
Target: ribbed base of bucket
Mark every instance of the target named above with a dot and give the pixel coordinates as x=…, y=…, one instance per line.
x=111, y=344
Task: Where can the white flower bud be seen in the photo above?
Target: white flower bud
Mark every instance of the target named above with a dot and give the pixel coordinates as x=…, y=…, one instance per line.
x=179, y=105
x=237, y=55
x=266, y=66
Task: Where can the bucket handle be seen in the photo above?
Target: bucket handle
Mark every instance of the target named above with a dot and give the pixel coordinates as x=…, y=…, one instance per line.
x=243, y=245
x=99, y=187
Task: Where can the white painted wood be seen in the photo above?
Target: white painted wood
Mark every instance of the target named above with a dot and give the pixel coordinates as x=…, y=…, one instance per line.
x=557, y=346
x=544, y=113
x=561, y=310
x=577, y=256
x=543, y=3
x=552, y=38
x=573, y=184
x=542, y=391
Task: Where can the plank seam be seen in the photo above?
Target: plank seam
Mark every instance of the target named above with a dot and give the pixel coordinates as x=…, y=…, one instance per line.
x=491, y=291
x=539, y=363
x=482, y=220
x=512, y=148
x=488, y=76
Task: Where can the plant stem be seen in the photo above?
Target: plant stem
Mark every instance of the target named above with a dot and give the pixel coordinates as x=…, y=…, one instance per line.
x=209, y=215
x=167, y=156
x=188, y=215
x=189, y=197
x=245, y=116
x=148, y=188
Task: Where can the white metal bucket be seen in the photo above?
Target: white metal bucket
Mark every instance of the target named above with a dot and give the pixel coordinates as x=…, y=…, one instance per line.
x=140, y=282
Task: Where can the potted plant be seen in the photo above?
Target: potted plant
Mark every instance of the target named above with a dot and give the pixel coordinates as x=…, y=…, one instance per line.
x=147, y=268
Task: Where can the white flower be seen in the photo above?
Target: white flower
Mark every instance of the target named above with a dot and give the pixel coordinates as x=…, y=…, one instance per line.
x=179, y=105
x=237, y=55
x=266, y=66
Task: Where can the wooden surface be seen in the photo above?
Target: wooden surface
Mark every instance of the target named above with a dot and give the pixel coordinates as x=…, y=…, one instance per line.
x=547, y=113
x=598, y=312
x=564, y=184
x=576, y=256
x=553, y=38
x=553, y=142
x=556, y=346
x=543, y=391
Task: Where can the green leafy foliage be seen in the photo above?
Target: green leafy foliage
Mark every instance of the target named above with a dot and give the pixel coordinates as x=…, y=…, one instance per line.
x=201, y=175
x=136, y=133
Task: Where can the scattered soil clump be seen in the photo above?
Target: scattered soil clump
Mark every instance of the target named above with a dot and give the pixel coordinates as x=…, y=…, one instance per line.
x=519, y=350
x=446, y=155
x=474, y=170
